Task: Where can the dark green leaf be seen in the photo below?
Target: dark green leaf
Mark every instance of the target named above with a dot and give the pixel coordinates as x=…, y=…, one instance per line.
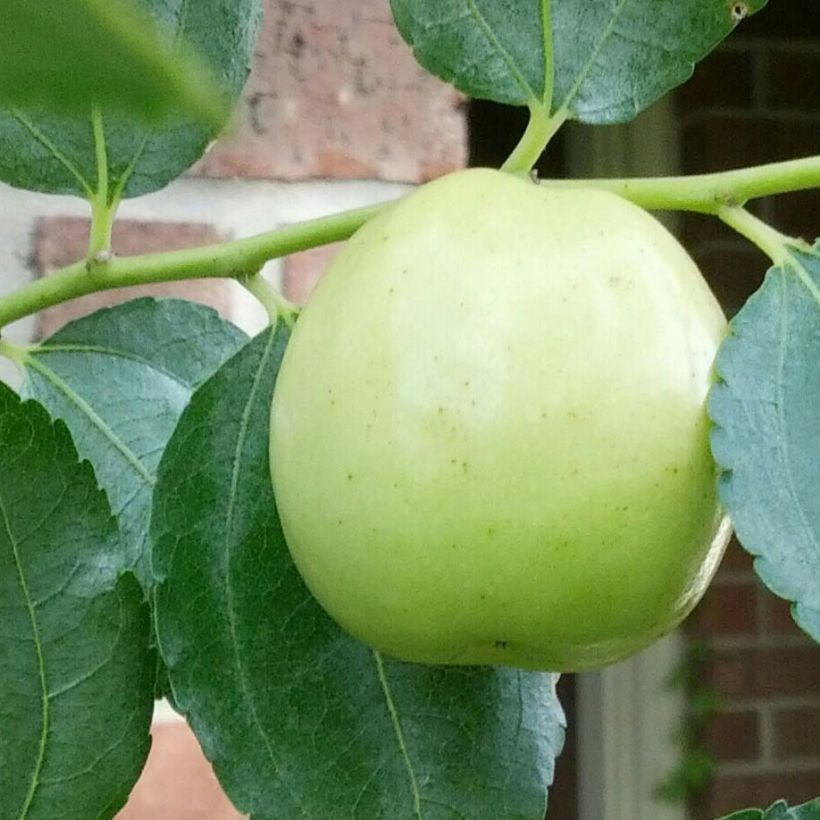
x=76, y=674
x=767, y=434
x=120, y=380
x=298, y=718
x=42, y=151
x=780, y=811
x=612, y=58
x=488, y=49
x=58, y=55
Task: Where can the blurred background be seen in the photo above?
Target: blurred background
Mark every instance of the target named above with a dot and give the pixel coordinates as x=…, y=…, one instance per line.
x=723, y=715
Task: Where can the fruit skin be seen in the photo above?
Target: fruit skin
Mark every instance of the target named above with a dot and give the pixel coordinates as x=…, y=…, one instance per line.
x=489, y=442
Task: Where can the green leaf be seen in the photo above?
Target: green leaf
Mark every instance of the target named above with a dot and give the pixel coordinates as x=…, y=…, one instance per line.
x=120, y=379
x=767, y=433
x=488, y=49
x=61, y=54
x=611, y=58
x=76, y=674
x=44, y=151
x=780, y=811
x=297, y=718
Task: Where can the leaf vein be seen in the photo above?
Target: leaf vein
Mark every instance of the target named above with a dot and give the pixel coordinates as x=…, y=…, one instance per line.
x=54, y=151
x=242, y=433
x=394, y=716
x=584, y=72
x=93, y=417
x=41, y=666
x=486, y=29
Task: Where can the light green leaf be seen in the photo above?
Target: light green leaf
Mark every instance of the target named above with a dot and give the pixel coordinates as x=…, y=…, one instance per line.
x=767, y=433
x=62, y=54
x=780, y=811
x=76, y=674
x=45, y=151
x=120, y=379
x=297, y=718
x=607, y=59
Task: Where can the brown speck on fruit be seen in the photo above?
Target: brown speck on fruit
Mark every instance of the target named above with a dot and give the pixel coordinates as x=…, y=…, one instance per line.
x=350, y=476
x=464, y=466
x=739, y=12
x=500, y=644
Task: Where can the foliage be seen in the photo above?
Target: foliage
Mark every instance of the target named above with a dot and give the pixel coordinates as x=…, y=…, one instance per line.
x=77, y=678
x=695, y=771
x=171, y=519
x=59, y=152
x=780, y=811
x=59, y=56
x=766, y=435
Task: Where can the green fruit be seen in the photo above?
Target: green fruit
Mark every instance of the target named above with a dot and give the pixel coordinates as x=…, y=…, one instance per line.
x=489, y=441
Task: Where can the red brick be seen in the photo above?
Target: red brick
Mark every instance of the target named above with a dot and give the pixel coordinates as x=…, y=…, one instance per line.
x=733, y=736
x=777, y=615
x=302, y=271
x=797, y=732
x=177, y=782
x=724, y=78
x=789, y=670
x=731, y=793
x=736, y=560
x=762, y=672
x=334, y=92
x=793, y=79
x=727, y=609
x=59, y=241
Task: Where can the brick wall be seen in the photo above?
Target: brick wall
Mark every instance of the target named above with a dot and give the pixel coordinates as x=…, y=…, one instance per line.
x=757, y=99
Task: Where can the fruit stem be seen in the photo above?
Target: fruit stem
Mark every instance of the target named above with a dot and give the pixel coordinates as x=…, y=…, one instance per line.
x=708, y=193
x=774, y=244
x=237, y=259
x=274, y=303
x=540, y=130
